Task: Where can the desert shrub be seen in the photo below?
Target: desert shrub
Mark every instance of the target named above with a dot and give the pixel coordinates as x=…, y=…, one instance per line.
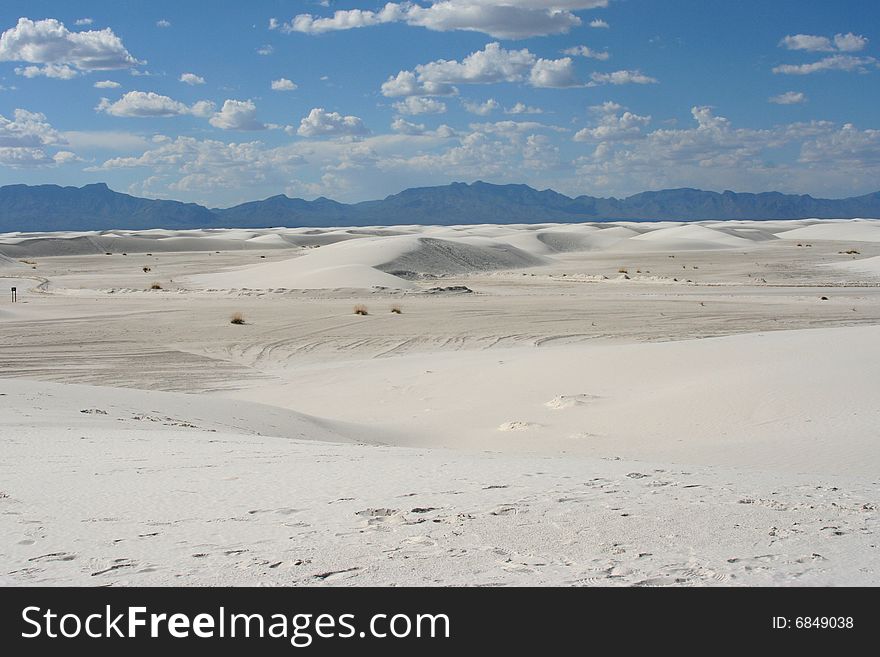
x=396, y=309
x=237, y=318
x=155, y=286
x=360, y=309
x=622, y=270
x=147, y=269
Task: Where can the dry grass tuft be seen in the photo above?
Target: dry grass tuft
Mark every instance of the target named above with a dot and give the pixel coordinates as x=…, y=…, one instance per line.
x=622, y=270
x=360, y=309
x=396, y=309
x=147, y=269
x=237, y=318
x=155, y=286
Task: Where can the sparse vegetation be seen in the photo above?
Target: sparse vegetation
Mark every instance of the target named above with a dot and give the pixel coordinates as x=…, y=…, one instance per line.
x=849, y=252
x=28, y=262
x=823, y=298
x=155, y=286
x=360, y=309
x=622, y=270
x=147, y=269
x=237, y=318
x=396, y=309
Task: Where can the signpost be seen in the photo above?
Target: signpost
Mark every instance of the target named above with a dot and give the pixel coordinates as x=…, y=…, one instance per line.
x=14, y=294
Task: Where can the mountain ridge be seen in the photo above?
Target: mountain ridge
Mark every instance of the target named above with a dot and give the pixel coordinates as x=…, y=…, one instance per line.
x=28, y=208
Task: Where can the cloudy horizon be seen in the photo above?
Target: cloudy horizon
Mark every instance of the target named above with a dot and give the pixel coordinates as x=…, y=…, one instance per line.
x=358, y=100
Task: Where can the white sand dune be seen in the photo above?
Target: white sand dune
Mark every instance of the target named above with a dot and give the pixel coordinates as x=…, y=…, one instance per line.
x=799, y=401
x=373, y=262
x=708, y=418
x=856, y=230
x=859, y=265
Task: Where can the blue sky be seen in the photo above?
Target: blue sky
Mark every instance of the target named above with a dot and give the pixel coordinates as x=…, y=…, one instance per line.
x=224, y=102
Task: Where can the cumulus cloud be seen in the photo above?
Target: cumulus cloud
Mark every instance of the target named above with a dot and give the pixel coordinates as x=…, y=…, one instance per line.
x=56, y=71
x=492, y=64
x=613, y=124
x=509, y=19
x=789, y=98
x=599, y=24
x=406, y=83
x=620, y=77
x=192, y=79
x=186, y=164
x=283, y=84
x=586, y=51
x=265, y=50
x=553, y=74
x=481, y=109
x=83, y=21
x=832, y=63
x=522, y=108
x=26, y=138
x=321, y=123
x=50, y=45
x=106, y=84
x=163, y=23
x=848, y=42
x=404, y=127
x=147, y=104
x=237, y=115
x=420, y=105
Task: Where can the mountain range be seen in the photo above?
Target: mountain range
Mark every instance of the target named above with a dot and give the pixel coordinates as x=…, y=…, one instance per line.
x=97, y=207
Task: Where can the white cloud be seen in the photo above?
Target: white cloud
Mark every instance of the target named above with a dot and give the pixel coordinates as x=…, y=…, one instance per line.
x=586, y=51
x=25, y=138
x=511, y=19
x=321, y=123
x=848, y=42
x=192, y=79
x=237, y=115
x=807, y=42
x=49, y=43
x=404, y=127
x=599, y=23
x=186, y=164
x=420, y=105
x=849, y=146
x=492, y=64
x=163, y=23
x=613, y=125
x=59, y=72
x=831, y=63
x=481, y=109
x=553, y=74
x=105, y=84
x=83, y=21
x=789, y=98
x=620, y=77
x=265, y=50
x=406, y=83
x=147, y=104
x=283, y=84
x=522, y=108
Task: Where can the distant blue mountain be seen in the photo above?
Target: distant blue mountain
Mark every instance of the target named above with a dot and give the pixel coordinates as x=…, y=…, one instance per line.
x=97, y=207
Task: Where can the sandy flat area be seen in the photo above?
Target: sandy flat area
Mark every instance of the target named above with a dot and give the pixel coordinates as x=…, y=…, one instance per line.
x=591, y=404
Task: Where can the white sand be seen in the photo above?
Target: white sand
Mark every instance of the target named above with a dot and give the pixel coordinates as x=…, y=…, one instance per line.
x=703, y=418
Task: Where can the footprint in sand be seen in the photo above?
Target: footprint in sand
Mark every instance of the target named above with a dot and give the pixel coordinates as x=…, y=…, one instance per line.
x=517, y=426
x=561, y=402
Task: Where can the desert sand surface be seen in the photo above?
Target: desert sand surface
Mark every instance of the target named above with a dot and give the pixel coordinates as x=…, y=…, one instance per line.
x=588, y=404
